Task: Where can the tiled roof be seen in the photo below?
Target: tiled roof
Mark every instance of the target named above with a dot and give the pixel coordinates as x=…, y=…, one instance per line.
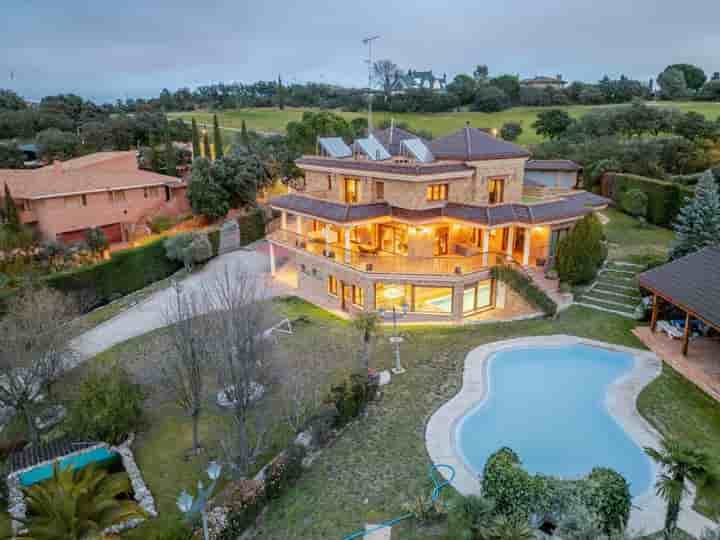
x=470, y=144
x=691, y=282
x=575, y=205
x=94, y=172
x=44, y=452
x=551, y=165
x=383, y=167
x=391, y=139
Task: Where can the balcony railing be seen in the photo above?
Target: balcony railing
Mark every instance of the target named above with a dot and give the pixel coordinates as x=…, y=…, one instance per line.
x=388, y=263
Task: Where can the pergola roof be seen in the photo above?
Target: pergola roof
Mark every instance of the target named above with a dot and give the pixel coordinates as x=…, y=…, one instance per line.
x=692, y=283
x=34, y=455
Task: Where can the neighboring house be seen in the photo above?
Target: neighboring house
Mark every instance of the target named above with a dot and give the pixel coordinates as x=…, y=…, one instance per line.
x=555, y=173
x=401, y=221
x=417, y=80
x=105, y=190
x=542, y=81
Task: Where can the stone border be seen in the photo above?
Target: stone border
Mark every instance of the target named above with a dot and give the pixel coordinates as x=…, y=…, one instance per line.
x=17, y=508
x=648, y=511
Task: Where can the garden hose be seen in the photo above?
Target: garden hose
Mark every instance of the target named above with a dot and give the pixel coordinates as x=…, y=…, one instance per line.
x=434, y=496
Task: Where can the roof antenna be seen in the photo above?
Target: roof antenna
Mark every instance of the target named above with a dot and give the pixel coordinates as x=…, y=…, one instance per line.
x=369, y=42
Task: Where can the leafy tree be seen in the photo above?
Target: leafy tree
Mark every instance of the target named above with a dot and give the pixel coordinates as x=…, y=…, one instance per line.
x=10, y=214
x=385, y=73
x=694, y=126
x=711, y=90
x=694, y=76
x=217, y=139
x=11, y=157
x=552, y=123
x=170, y=157
x=96, y=240
x=481, y=73
x=672, y=84
x=302, y=136
x=56, y=144
x=463, y=86
x=510, y=131
x=490, y=99
x=195, y=139
x=698, y=223
x=581, y=252
x=10, y=101
x=510, y=84
x=78, y=504
x=108, y=407
x=679, y=462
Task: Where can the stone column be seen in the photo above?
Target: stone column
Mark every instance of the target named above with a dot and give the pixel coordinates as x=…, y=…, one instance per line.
x=510, y=241
x=283, y=220
x=272, y=259
x=526, y=246
x=370, y=296
x=298, y=224
x=500, y=294
x=458, y=293
x=347, y=245
x=486, y=245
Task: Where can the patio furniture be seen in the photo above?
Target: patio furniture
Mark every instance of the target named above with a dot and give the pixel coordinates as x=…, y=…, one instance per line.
x=669, y=329
x=367, y=249
x=466, y=250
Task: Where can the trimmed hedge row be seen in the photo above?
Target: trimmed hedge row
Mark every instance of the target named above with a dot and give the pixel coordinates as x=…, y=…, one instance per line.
x=664, y=198
x=525, y=287
x=127, y=271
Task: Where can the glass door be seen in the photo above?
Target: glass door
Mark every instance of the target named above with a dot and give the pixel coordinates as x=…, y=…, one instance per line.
x=442, y=240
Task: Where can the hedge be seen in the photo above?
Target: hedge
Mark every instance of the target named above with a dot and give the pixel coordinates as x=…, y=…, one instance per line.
x=664, y=198
x=127, y=271
x=252, y=227
x=525, y=287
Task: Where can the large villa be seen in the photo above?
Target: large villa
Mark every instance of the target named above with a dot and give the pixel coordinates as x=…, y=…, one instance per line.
x=396, y=221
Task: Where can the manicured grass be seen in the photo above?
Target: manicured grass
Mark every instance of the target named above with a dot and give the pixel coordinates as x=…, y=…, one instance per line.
x=381, y=461
x=275, y=120
x=677, y=408
x=633, y=241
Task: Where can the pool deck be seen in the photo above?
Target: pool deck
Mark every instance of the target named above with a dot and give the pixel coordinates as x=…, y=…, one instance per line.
x=648, y=512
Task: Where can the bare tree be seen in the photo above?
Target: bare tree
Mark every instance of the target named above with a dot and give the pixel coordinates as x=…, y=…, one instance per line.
x=191, y=357
x=34, y=350
x=385, y=73
x=367, y=325
x=240, y=317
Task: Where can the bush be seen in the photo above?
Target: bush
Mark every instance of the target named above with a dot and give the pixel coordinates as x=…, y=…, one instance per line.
x=176, y=248
x=96, y=240
x=214, y=237
x=580, y=253
x=608, y=495
x=525, y=287
x=508, y=484
x=14, y=238
x=351, y=396
x=252, y=227
x=510, y=131
x=108, y=407
x=161, y=224
x=127, y=271
x=664, y=198
x=634, y=202
x=284, y=472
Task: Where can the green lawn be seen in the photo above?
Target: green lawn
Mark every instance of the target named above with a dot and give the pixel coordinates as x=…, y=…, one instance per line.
x=630, y=240
x=275, y=120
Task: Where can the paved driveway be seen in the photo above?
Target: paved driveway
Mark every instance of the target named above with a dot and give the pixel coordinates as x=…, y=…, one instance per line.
x=150, y=313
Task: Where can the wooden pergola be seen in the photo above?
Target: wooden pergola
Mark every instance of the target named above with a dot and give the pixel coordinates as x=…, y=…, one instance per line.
x=692, y=284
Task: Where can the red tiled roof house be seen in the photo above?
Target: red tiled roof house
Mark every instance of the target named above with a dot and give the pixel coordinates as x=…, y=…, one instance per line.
x=104, y=190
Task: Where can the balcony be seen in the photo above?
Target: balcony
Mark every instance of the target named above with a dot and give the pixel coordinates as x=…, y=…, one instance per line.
x=381, y=262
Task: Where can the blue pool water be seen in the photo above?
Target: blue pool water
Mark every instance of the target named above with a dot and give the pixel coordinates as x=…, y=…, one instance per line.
x=39, y=474
x=548, y=405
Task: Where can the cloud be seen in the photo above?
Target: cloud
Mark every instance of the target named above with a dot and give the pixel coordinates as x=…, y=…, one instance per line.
x=105, y=50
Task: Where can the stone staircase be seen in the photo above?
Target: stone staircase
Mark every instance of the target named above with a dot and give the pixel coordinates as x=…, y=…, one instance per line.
x=615, y=289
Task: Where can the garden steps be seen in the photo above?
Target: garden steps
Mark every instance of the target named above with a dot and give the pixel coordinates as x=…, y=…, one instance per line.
x=611, y=298
x=607, y=288
x=615, y=289
x=605, y=309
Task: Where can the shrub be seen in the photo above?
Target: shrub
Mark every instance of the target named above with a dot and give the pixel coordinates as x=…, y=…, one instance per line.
x=608, y=495
x=108, y=407
x=96, y=240
x=351, y=396
x=284, y=472
x=245, y=500
x=200, y=249
x=634, y=202
x=508, y=484
x=15, y=237
x=510, y=131
x=176, y=248
x=525, y=287
x=580, y=253
x=128, y=271
x=160, y=224
x=214, y=237
x=252, y=227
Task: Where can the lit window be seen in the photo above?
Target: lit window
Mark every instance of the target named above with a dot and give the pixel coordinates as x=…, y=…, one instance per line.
x=358, y=296
x=496, y=190
x=380, y=191
x=352, y=190
x=437, y=192
x=332, y=285
x=329, y=182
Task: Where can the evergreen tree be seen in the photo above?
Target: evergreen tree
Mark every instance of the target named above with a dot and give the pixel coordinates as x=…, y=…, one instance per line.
x=170, y=157
x=206, y=146
x=10, y=213
x=244, y=136
x=280, y=94
x=581, y=252
x=217, y=138
x=698, y=223
x=195, y=139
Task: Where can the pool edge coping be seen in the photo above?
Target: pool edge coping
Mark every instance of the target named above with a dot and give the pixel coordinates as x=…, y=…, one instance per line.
x=647, y=512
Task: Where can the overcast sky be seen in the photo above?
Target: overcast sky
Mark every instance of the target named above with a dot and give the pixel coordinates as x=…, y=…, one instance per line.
x=106, y=50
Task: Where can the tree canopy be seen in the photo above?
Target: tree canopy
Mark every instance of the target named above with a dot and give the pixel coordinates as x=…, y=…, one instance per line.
x=698, y=223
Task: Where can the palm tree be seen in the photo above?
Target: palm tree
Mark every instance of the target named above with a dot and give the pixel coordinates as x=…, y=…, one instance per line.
x=367, y=325
x=679, y=462
x=77, y=504
x=505, y=528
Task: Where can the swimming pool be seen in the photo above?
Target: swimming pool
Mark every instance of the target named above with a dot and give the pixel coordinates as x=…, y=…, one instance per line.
x=100, y=456
x=548, y=404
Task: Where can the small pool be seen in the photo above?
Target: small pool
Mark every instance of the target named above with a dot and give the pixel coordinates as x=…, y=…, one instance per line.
x=99, y=455
x=548, y=405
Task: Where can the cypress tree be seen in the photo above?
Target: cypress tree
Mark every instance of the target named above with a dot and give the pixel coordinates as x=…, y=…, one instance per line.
x=195, y=139
x=698, y=223
x=217, y=137
x=280, y=94
x=206, y=146
x=11, y=214
x=244, y=137
x=170, y=157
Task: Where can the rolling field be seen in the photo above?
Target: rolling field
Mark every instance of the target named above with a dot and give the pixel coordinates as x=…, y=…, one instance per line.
x=273, y=120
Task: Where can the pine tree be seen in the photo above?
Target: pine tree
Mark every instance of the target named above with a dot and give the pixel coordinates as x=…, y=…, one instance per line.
x=217, y=137
x=280, y=94
x=206, y=146
x=170, y=157
x=10, y=213
x=698, y=223
x=195, y=139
